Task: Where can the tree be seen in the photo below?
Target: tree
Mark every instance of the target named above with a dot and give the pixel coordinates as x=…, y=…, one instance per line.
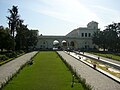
x=108, y=38
x=21, y=37
x=111, y=36
x=24, y=38
x=2, y=35
x=13, y=19
x=32, y=38
x=99, y=39
x=96, y=38
x=6, y=41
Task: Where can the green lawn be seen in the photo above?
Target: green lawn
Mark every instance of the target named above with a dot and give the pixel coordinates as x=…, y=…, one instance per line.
x=47, y=73
x=107, y=55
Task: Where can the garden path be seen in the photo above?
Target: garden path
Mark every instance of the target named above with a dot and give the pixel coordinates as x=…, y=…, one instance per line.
x=10, y=68
x=93, y=77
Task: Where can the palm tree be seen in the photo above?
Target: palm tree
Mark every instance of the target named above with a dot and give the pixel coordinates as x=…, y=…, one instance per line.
x=13, y=20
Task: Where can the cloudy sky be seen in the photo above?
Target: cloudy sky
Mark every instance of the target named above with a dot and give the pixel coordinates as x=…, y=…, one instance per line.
x=59, y=17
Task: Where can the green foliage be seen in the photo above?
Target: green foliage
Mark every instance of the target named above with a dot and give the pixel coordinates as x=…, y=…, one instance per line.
x=3, y=57
x=8, y=56
x=21, y=51
x=24, y=39
x=13, y=19
x=33, y=39
x=6, y=41
x=14, y=54
x=21, y=37
x=11, y=54
x=108, y=38
x=107, y=55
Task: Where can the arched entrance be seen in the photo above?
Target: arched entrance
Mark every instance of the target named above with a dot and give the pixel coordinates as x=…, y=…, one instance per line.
x=73, y=45
x=64, y=45
x=56, y=45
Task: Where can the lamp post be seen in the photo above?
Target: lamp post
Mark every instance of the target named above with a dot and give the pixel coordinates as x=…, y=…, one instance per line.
x=73, y=76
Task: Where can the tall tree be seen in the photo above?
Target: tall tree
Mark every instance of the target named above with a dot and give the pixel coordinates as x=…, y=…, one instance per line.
x=99, y=39
x=6, y=41
x=21, y=37
x=13, y=19
x=108, y=38
x=32, y=38
x=111, y=36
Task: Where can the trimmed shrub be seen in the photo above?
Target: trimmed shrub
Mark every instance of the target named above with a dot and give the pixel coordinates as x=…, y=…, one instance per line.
x=17, y=52
x=21, y=51
x=9, y=55
x=3, y=57
x=14, y=54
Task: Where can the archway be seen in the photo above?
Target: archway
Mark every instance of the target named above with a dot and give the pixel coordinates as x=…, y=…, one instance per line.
x=56, y=45
x=73, y=45
x=64, y=45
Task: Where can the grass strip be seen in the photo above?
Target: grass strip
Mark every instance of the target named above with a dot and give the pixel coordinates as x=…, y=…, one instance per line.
x=107, y=55
x=48, y=72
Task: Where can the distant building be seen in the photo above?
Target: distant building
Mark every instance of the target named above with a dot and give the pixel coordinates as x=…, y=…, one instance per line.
x=76, y=39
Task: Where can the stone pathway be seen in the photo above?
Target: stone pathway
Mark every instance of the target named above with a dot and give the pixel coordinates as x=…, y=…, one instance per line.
x=10, y=68
x=93, y=77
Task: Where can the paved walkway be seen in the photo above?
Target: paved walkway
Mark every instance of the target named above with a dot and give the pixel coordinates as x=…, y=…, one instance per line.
x=10, y=68
x=93, y=77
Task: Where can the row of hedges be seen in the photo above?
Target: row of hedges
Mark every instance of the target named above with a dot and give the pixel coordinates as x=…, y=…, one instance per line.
x=3, y=57
x=7, y=55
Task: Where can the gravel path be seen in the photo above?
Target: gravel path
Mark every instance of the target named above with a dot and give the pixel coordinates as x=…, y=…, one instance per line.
x=93, y=77
x=10, y=68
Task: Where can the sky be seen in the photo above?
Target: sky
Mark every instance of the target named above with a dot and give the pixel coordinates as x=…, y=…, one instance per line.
x=59, y=17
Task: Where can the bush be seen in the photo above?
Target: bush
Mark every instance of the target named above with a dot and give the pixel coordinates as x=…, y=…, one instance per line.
x=9, y=55
x=21, y=51
x=14, y=54
x=3, y=57
x=17, y=52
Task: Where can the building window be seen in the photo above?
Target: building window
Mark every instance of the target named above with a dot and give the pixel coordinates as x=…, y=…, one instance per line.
x=82, y=34
x=89, y=34
x=85, y=34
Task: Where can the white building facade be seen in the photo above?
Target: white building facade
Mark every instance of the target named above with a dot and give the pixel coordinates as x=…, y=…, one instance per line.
x=76, y=39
